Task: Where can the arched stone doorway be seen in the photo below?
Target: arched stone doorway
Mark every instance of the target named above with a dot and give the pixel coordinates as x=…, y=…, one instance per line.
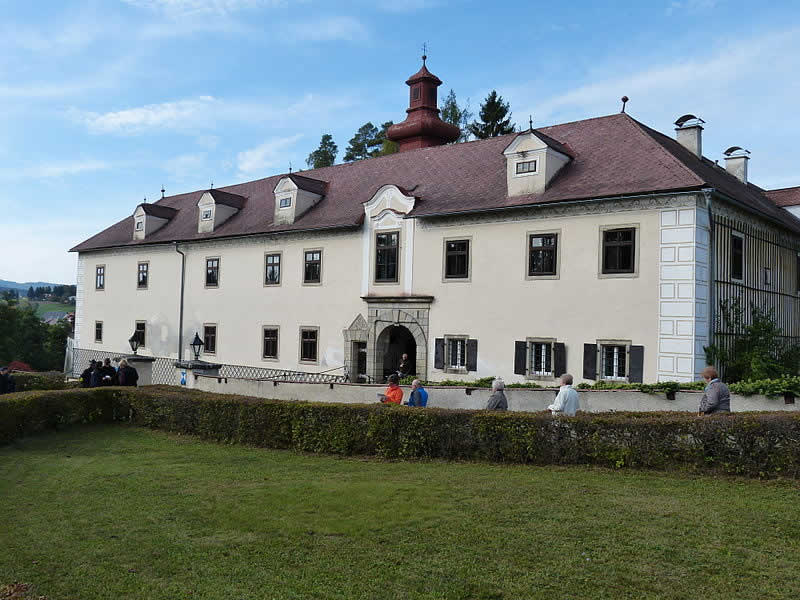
x=391, y=344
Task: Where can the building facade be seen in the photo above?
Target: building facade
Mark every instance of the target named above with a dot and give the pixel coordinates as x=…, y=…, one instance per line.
x=600, y=248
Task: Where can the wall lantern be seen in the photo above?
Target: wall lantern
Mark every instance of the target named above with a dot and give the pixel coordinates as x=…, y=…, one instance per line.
x=134, y=341
x=197, y=346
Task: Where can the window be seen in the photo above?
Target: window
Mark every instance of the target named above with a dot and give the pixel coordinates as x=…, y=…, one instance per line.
x=139, y=225
x=141, y=279
x=456, y=259
x=415, y=92
x=737, y=256
x=541, y=359
x=767, y=276
x=312, y=267
x=619, y=250
x=528, y=167
x=212, y=272
x=100, y=277
x=141, y=330
x=270, y=345
x=206, y=214
x=98, y=332
x=613, y=361
x=210, y=339
x=285, y=202
x=308, y=345
x=272, y=273
x=456, y=353
x=542, y=254
x=386, y=252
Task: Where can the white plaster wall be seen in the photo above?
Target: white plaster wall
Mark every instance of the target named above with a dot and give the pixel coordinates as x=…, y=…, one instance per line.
x=499, y=305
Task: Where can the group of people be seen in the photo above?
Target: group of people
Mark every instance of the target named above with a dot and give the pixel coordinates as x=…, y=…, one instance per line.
x=101, y=373
x=716, y=396
x=7, y=383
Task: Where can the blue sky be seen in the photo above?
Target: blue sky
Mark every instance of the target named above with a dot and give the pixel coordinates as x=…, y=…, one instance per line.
x=102, y=102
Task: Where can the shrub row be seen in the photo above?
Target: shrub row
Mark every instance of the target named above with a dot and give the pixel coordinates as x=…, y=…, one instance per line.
x=46, y=380
x=753, y=444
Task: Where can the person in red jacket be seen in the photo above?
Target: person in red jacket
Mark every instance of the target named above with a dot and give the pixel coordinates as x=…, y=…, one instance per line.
x=393, y=393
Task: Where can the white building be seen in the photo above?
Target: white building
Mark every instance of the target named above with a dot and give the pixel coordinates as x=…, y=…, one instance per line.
x=599, y=247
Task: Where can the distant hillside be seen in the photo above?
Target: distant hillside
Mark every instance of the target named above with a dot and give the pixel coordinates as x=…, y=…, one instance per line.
x=23, y=287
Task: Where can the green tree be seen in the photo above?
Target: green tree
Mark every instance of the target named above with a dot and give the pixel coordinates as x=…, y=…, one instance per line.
x=495, y=118
x=387, y=145
x=370, y=141
x=457, y=115
x=755, y=348
x=30, y=293
x=325, y=155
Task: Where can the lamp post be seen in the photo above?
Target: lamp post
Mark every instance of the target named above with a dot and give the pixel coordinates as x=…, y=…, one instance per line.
x=134, y=342
x=197, y=345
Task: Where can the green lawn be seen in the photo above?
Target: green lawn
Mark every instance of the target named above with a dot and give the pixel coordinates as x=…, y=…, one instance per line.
x=121, y=512
x=43, y=307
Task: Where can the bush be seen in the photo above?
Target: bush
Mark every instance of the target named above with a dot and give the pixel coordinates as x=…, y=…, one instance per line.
x=768, y=387
x=753, y=444
x=49, y=380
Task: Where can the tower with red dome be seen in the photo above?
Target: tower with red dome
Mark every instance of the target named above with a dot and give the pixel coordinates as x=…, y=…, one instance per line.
x=422, y=128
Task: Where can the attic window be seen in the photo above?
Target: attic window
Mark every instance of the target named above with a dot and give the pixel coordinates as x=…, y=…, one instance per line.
x=415, y=92
x=286, y=202
x=528, y=167
x=206, y=214
x=139, y=225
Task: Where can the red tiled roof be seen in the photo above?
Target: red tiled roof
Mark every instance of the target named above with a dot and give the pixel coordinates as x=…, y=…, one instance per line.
x=228, y=199
x=612, y=156
x=315, y=186
x=785, y=196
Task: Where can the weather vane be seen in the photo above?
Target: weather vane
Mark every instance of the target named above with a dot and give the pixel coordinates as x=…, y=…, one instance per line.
x=162, y=190
x=290, y=166
x=212, y=184
x=424, y=52
x=530, y=122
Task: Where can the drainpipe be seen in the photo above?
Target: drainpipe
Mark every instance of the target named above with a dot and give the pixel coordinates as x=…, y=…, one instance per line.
x=712, y=265
x=180, y=317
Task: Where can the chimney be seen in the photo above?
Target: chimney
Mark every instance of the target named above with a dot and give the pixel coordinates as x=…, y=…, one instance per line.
x=689, y=133
x=736, y=159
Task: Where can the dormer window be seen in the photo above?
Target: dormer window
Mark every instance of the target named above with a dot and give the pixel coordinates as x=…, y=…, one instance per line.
x=286, y=202
x=150, y=218
x=139, y=225
x=528, y=167
x=206, y=216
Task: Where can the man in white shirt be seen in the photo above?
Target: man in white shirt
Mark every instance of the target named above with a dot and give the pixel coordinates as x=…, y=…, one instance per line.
x=566, y=402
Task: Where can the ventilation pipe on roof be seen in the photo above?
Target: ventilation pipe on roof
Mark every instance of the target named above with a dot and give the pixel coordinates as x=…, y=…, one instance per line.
x=736, y=159
x=689, y=133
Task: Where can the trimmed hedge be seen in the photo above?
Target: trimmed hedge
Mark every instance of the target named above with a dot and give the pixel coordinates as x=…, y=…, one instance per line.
x=45, y=380
x=752, y=444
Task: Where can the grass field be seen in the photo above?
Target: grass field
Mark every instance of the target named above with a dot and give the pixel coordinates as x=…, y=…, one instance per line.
x=43, y=307
x=122, y=512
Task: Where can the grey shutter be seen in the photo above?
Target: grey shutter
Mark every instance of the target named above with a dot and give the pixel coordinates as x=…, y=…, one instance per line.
x=438, y=354
x=559, y=359
x=472, y=355
x=636, y=368
x=590, y=361
x=520, y=358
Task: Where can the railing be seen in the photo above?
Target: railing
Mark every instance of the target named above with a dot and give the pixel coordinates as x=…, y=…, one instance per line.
x=164, y=370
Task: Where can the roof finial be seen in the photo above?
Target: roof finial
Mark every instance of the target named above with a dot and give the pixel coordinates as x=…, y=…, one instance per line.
x=162, y=191
x=290, y=167
x=530, y=122
x=212, y=185
x=145, y=199
x=424, y=52
x=624, y=102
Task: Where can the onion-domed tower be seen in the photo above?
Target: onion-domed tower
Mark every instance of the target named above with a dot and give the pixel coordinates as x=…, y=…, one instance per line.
x=423, y=127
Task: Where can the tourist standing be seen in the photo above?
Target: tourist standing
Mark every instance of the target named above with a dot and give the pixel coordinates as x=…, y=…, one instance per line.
x=419, y=395
x=497, y=401
x=86, y=376
x=108, y=374
x=566, y=402
x=393, y=393
x=716, y=396
x=127, y=374
x=404, y=370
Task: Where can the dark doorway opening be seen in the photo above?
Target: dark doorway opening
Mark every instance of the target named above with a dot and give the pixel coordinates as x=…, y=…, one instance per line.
x=393, y=343
x=360, y=361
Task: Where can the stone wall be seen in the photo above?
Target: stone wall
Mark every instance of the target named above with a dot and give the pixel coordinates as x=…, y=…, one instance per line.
x=519, y=399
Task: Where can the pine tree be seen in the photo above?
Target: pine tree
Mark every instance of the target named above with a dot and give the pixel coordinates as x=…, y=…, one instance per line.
x=30, y=293
x=325, y=155
x=495, y=118
x=457, y=115
x=387, y=145
x=359, y=146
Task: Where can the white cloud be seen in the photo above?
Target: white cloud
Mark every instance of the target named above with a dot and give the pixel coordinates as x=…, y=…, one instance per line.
x=198, y=115
x=54, y=169
x=194, y=7
x=328, y=29
x=269, y=155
